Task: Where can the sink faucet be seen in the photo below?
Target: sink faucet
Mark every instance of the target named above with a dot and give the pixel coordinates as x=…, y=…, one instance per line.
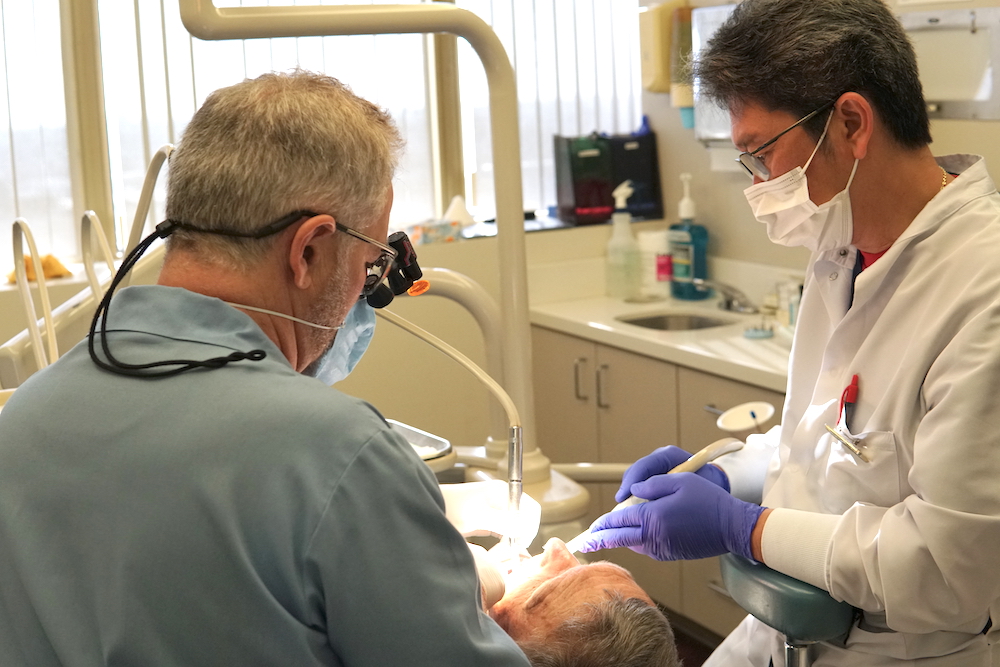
x=732, y=299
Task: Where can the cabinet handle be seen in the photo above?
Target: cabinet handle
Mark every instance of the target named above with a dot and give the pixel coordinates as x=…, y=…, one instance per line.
x=714, y=410
x=718, y=588
x=577, y=385
x=600, y=386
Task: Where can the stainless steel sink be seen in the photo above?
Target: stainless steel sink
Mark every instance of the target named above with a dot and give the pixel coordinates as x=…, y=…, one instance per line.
x=674, y=321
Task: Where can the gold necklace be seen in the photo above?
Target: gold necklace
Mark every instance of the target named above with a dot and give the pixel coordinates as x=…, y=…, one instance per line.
x=944, y=178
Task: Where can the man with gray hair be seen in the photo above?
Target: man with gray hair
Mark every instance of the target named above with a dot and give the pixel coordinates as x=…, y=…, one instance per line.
x=177, y=490
x=880, y=482
x=564, y=613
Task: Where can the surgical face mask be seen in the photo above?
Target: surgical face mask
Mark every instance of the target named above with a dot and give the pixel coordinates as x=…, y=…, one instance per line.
x=349, y=345
x=792, y=219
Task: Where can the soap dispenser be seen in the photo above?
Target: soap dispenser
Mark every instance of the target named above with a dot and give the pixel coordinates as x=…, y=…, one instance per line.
x=623, y=252
x=688, y=250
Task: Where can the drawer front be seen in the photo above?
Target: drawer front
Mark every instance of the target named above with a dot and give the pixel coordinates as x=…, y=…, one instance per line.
x=565, y=397
x=699, y=390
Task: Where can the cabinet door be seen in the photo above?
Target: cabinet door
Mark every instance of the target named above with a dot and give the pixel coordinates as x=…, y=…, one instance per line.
x=636, y=400
x=696, y=390
x=565, y=399
x=705, y=599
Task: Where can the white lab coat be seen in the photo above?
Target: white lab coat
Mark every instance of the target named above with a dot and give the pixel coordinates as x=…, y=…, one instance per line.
x=913, y=537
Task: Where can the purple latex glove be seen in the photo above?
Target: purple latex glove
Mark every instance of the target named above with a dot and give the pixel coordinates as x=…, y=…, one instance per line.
x=686, y=517
x=663, y=460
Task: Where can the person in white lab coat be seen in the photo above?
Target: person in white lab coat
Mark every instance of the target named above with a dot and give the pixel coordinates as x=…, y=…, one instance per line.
x=881, y=483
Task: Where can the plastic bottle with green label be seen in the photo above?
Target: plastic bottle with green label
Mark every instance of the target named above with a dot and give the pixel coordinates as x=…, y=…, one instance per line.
x=688, y=250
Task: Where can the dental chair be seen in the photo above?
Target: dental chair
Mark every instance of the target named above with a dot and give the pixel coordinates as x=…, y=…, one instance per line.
x=802, y=613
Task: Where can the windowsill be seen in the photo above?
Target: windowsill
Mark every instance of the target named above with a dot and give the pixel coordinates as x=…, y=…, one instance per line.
x=486, y=229
x=77, y=279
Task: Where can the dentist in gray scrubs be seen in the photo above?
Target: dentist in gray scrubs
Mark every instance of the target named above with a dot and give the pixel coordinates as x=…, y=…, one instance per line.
x=177, y=490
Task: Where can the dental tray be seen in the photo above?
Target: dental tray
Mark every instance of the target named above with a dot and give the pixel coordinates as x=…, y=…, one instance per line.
x=426, y=445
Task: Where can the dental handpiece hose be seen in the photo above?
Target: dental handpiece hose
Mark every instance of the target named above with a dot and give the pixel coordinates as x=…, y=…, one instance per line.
x=515, y=451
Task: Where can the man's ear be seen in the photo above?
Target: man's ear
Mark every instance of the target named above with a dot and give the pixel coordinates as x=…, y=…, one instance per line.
x=304, y=251
x=858, y=120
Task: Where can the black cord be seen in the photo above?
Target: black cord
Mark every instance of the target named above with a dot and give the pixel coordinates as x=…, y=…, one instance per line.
x=163, y=230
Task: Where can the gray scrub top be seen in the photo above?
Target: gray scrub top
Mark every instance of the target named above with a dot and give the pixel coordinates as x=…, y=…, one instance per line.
x=247, y=515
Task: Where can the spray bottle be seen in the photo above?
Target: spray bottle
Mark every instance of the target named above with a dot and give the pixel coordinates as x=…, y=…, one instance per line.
x=688, y=250
x=623, y=252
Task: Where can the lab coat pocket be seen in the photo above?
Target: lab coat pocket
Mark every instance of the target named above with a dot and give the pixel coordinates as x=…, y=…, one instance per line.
x=851, y=480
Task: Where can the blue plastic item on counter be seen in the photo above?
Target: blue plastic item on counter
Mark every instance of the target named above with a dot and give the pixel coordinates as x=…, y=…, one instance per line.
x=688, y=250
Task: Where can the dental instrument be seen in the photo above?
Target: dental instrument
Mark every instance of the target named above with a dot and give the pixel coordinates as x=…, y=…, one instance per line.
x=693, y=464
x=90, y=228
x=145, y=199
x=23, y=232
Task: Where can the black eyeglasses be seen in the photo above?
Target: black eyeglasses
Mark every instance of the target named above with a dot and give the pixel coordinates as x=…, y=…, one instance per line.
x=753, y=164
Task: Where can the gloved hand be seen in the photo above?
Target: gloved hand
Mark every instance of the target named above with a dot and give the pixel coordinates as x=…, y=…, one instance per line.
x=686, y=517
x=661, y=461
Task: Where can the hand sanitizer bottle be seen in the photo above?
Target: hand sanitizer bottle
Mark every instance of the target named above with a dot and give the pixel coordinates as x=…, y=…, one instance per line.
x=688, y=250
x=622, y=270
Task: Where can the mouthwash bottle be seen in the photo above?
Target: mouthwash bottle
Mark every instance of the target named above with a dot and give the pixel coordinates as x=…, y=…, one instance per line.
x=688, y=250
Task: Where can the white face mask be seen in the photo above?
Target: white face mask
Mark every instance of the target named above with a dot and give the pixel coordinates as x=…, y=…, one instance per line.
x=792, y=219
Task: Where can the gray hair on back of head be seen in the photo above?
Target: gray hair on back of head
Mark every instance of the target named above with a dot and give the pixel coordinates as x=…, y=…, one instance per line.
x=265, y=147
x=798, y=55
x=619, y=631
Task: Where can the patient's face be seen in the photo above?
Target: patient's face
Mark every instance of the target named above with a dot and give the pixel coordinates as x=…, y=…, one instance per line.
x=548, y=589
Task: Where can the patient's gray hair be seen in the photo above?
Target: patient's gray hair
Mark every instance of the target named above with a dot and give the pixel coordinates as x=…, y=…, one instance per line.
x=263, y=148
x=619, y=631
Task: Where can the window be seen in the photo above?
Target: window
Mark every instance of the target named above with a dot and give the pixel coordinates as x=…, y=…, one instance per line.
x=156, y=75
x=576, y=64
x=35, y=179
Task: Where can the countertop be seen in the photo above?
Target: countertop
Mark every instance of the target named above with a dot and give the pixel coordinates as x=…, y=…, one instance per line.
x=721, y=350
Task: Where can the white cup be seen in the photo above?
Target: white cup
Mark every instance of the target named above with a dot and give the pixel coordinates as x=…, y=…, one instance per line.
x=745, y=418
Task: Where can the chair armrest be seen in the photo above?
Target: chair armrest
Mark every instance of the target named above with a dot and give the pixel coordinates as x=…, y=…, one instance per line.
x=800, y=611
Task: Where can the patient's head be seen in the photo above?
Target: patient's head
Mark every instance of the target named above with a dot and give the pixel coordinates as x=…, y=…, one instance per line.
x=562, y=612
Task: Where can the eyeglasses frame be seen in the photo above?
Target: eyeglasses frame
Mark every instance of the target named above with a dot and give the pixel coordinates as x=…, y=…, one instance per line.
x=756, y=168
x=386, y=260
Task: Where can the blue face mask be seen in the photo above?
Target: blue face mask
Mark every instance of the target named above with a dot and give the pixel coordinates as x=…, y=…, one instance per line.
x=349, y=345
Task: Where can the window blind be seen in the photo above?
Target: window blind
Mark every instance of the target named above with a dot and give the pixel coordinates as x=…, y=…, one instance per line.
x=577, y=68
